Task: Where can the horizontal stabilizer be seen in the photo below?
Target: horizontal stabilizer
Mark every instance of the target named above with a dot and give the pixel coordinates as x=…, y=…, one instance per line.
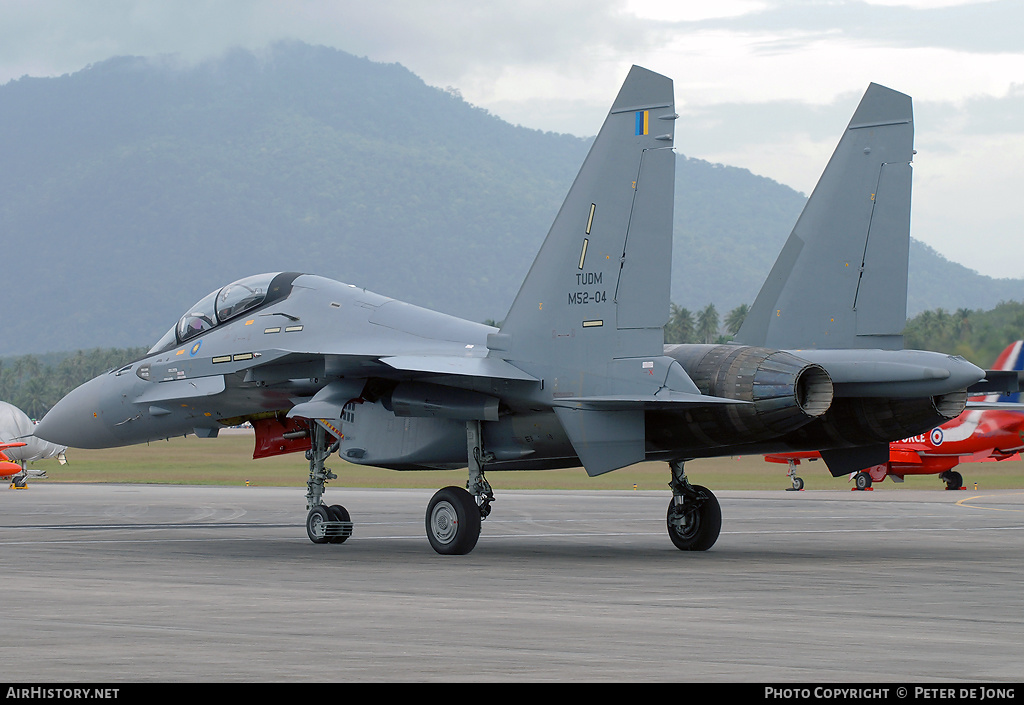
x=662, y=400
x=999, y=382
x=995, y=405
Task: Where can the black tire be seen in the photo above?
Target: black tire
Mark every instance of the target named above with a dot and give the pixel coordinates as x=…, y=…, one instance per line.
x=314, y=520
x=862, y=481
x=704, y=527
x=798, y=483
x=954, y=480
x=452, y=521
x=339, y=513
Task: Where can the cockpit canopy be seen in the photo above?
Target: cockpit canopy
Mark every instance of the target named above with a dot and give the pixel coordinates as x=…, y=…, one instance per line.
x=224, y=304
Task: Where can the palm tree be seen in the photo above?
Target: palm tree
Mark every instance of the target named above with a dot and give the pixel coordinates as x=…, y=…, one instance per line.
x=36, y=397
x=962, y=322
x=735, y=319
x=707, y=324
x=6, y=381
x=27, y=366
x=943, y=325
x=680, y=326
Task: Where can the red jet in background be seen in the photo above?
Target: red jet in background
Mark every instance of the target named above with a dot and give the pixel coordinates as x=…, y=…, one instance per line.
x=977, y=435
x=9, y=468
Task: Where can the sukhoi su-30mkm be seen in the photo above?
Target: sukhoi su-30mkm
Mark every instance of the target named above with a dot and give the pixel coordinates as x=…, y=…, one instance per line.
x=578, y=373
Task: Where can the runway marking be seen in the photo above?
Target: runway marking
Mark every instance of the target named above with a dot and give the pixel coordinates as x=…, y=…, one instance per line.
x=419, y=522
x=894, y=530
x=98, y=527
x=961, y=503
x=582, y=534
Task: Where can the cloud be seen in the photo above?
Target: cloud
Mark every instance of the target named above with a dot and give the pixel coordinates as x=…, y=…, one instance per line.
x=968, y=25
x=763, y=84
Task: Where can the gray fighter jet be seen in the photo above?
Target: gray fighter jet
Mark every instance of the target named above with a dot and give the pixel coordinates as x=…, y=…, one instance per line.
x=578, y=373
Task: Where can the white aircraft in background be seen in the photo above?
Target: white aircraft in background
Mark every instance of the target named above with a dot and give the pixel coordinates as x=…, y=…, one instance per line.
x=18, y=446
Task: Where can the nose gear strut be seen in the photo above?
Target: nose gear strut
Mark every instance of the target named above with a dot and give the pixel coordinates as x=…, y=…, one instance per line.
x=323, y=524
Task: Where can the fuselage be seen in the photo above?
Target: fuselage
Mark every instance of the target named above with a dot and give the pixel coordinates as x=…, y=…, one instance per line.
x=262, y=360
x=260, y=357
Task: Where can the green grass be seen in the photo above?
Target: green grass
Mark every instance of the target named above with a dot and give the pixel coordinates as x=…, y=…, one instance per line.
x=228, y=461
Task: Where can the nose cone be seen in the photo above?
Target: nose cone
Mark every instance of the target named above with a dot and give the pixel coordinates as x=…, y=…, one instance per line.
x=85, y=418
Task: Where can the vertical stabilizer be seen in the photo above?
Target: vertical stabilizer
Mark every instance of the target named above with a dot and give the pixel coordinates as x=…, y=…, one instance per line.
x=1010, y=360
x=599, y=287
x=841, y=278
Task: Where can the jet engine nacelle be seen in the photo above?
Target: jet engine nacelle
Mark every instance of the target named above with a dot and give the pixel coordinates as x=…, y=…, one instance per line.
x=414, y=425
x=785, y=392
x=375, y=435
x=434, y=401
x=863, y=421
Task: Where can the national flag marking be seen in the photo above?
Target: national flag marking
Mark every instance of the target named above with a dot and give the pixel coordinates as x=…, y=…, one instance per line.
x=642, y=121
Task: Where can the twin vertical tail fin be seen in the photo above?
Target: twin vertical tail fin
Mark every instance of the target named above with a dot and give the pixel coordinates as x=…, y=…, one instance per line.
x=841, y=278
x=599, y=287
x=589, y=318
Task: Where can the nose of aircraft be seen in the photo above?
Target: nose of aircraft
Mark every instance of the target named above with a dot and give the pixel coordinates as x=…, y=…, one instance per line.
x=83, y=419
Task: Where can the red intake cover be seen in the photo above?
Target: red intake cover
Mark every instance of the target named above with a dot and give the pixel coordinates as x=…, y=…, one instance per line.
x=270, y=436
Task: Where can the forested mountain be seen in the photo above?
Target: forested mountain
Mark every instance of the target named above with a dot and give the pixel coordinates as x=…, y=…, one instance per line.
x=134, y=187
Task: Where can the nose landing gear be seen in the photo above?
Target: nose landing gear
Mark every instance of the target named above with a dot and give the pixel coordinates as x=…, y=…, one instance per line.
x=323, y=524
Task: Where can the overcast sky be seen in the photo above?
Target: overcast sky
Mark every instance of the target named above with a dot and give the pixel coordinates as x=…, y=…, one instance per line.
x=767, y=85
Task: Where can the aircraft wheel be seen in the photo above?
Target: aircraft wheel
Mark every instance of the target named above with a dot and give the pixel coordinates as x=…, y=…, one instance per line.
x=338, y=513
x=453, y=521
x=798, y=483
x=315, y=524
x=954, y=480
x=862, y=481
x=703, y=525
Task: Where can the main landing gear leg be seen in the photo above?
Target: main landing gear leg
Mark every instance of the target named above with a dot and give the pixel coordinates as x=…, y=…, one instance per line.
x=694, y=515
x=454, y=514
x=323, y=524
x=953, y=479
x=798, y=483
